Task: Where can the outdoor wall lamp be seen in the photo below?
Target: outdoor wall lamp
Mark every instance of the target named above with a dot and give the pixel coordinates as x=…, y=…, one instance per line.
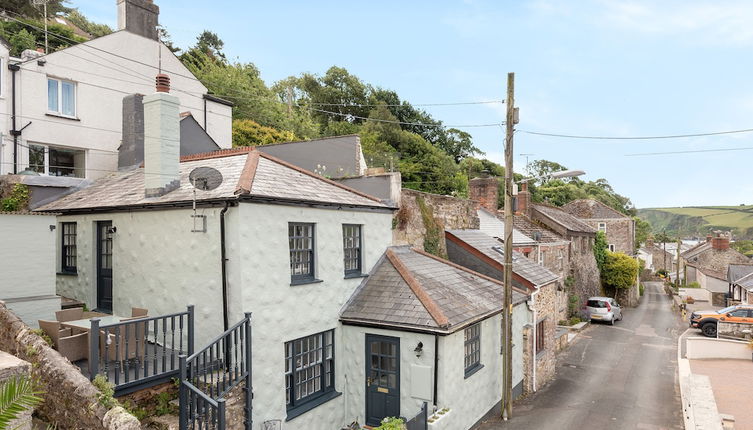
x=419, y=349
x=112, y=230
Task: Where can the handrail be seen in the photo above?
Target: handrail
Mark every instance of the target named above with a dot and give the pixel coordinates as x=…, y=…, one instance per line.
x=216, y=339
x=142, y=319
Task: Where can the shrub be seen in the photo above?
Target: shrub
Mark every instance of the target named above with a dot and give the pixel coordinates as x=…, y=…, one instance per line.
x=39, y=332
x=641, y=288
x=392, y=423
x=619, y=271
x=17, y=200
x=106, y=391
x=693, y=284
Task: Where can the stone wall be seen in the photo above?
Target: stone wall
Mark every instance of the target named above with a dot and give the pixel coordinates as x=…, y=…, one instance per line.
x=619, y=232
x=546, y=311
x=70, y=400
x=10, y=368
x=448, y=212
x=586, y=275
x=628, y=297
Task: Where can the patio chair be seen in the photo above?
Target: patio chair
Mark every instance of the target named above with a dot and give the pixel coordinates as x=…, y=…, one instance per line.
x=71, y=314
x=75, y=347
x=139, y=312
x=53, y=330
x=136, y=337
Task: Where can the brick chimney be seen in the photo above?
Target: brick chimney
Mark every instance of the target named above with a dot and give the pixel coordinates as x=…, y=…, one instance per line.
x=720, y=242
x=485, y=192
x=708, y=237
x=138, y=17
x=524, y=200
x=161, y=140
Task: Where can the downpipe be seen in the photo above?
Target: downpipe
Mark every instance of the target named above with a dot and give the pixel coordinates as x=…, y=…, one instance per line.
x=223, y=258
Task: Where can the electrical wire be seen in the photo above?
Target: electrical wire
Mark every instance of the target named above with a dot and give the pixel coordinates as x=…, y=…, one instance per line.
x=409, y=104
x=640, y=154
x=401, y=122
x=671, y=136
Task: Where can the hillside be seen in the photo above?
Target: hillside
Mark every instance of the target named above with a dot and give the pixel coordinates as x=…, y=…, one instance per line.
x=699, y=220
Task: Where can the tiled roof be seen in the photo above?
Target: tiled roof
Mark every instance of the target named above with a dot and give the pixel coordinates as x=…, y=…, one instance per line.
x=591, y=209
x=411, y=289
x=735, y=272
x=245, y=172
x=527, y=269
x=495, y=227
x=564, y=219
x=535, y=231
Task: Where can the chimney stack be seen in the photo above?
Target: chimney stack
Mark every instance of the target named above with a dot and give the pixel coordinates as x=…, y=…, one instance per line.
x=138, y=17
x=131, y=151
x=708, y=238
x=485, y=192
x=161, y=140
x=524, y=200
x=720, y=242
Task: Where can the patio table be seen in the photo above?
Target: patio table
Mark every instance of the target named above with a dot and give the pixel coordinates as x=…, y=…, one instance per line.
x=86, y=324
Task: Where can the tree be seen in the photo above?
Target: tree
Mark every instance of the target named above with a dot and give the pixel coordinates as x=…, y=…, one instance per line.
x=80, y=21
x=600, y=250
x=166, y=39
x=620, y=271
x=539, y=168
x=247, y=132
x=458, y=144
x=26, y=9
x=642, y=231
x=210, y=44
x=21, y=41
x=16, y=396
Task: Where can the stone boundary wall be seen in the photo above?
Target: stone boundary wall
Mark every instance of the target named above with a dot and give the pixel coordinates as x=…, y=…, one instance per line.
x=70, y=399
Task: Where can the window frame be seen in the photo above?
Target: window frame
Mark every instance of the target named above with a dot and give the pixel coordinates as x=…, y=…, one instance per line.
x=69, y=251
x=297, y=279
x=602, y=227
x=46, y=165
x=611, y=247
x=358, y=249
x=540, y=345
x=296, y=407
x=59, y=111
x=472, y=366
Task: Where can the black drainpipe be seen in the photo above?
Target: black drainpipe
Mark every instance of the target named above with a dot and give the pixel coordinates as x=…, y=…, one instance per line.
x=436, y=367
x=15, y=133
x=224, y=266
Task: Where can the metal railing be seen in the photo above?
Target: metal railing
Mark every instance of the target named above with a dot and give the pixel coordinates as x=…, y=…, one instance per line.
x=140, y=352
x=420, y=421
x=208, y=375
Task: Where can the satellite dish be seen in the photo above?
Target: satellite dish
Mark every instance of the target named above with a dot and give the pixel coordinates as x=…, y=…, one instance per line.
x=205, y=178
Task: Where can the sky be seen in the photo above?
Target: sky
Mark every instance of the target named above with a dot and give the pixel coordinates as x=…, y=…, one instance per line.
x=627, y=68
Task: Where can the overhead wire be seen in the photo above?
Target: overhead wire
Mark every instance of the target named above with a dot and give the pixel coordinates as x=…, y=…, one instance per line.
x=670, y=136
x=639, y=154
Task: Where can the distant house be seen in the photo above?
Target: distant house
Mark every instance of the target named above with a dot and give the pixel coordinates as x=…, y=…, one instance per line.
x=478, y=251
x=432, y=332
x=708, y=264
x=618, y=227
x=740, y=279
x=661, y=258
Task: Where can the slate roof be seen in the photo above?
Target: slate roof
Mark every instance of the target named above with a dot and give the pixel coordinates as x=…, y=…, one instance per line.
x=696, y=250
x=591, y=209
x=246, y=173
x=564, y=219
x=536, y=274
x=746, y=282
x=495, y=227
x=411, y=289
x=535, y=231
x=736, y=272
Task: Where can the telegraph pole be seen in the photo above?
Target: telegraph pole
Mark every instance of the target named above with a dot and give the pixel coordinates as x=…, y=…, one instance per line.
x=510, y=122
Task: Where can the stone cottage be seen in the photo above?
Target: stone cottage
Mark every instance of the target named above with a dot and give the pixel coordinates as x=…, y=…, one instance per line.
x=618, y=228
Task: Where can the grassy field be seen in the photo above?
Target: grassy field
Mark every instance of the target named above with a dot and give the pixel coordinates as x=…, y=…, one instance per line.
x=698, y=220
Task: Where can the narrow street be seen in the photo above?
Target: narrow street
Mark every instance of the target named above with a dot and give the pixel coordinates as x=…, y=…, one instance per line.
x=613, y=377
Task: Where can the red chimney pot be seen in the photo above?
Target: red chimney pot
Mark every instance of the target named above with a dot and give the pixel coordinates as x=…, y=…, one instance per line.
x=163, y=83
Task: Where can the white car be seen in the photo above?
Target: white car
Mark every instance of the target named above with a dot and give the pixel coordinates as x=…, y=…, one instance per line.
x=603, y=309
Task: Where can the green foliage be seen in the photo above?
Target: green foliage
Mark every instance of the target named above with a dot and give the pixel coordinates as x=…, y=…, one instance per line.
x=17, y=395
x=642, y=231
x=619, y=270
x=434, y=231
x=642, y=289
x=39, y=332
x=21, y=41
x=18, y=199
x=600, y=250
x=743, y=247
x=573, y=302
x=570, y=321
x=80, y=21
x=247, y=132
x=164, y=407
x=663, y=237
x=106, y=391
x=693, y=284
x=25, y=8
x=17, y=33
x=137, y=411
x=392, y=423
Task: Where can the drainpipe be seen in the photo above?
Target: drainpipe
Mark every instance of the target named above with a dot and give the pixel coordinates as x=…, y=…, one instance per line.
x=224, y=266
x=15, y=133
x=436, y=368
x=535, y=335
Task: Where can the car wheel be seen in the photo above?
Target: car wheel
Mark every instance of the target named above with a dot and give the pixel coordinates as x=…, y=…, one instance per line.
x=709, y=330
x=611, y=322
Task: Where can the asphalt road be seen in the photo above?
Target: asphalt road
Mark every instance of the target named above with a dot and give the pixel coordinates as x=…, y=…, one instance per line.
x=612, y=377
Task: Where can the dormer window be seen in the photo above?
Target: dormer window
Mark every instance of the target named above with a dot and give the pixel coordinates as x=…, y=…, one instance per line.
x=61, y=97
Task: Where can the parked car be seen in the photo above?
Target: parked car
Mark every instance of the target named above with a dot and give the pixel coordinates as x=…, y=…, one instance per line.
x=707, y=320
x=603, y=309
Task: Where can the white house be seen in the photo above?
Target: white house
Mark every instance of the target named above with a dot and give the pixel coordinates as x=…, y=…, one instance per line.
x=68, y=104
x=27, y=284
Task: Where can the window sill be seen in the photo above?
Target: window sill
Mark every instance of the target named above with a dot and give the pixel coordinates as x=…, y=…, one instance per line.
x=311, y=404
x=59, y=115
x=356, y=275
x=293, y=283
x=470, y=372
x=67, y=273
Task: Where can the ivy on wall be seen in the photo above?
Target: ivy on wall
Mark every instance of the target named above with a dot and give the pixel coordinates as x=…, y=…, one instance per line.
x=16, y=200
x=434, y=231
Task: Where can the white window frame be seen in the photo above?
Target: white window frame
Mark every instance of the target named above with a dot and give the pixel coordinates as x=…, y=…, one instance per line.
x=47, y=158
x=611, y=247
x=59, y=111
x=603, y=227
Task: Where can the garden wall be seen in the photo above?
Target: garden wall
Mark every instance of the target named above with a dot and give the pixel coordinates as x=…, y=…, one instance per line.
x=70, y=400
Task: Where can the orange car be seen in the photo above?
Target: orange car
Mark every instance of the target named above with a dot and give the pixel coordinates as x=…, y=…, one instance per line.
x=706, y=320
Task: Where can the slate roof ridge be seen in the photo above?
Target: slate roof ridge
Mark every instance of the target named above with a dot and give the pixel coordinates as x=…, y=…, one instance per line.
x=434, y=310
x=465, y=269
x=692, y=252
x=573, y=203
x=245, y=182
x=582, y=226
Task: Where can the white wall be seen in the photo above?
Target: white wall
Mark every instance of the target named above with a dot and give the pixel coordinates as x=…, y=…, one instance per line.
x=6, y=140
x=102, y=82
x=27, y=266
x=711, y=284
x=699, y=348
x=260, y=282
x=696, y=293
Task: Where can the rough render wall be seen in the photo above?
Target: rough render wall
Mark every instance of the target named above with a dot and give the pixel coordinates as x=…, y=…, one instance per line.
x=450, y=212
x=70, y=400
x=158, y=264
x=259, y=272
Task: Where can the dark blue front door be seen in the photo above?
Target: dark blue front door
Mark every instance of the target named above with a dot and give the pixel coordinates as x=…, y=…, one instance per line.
x=382, y=378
